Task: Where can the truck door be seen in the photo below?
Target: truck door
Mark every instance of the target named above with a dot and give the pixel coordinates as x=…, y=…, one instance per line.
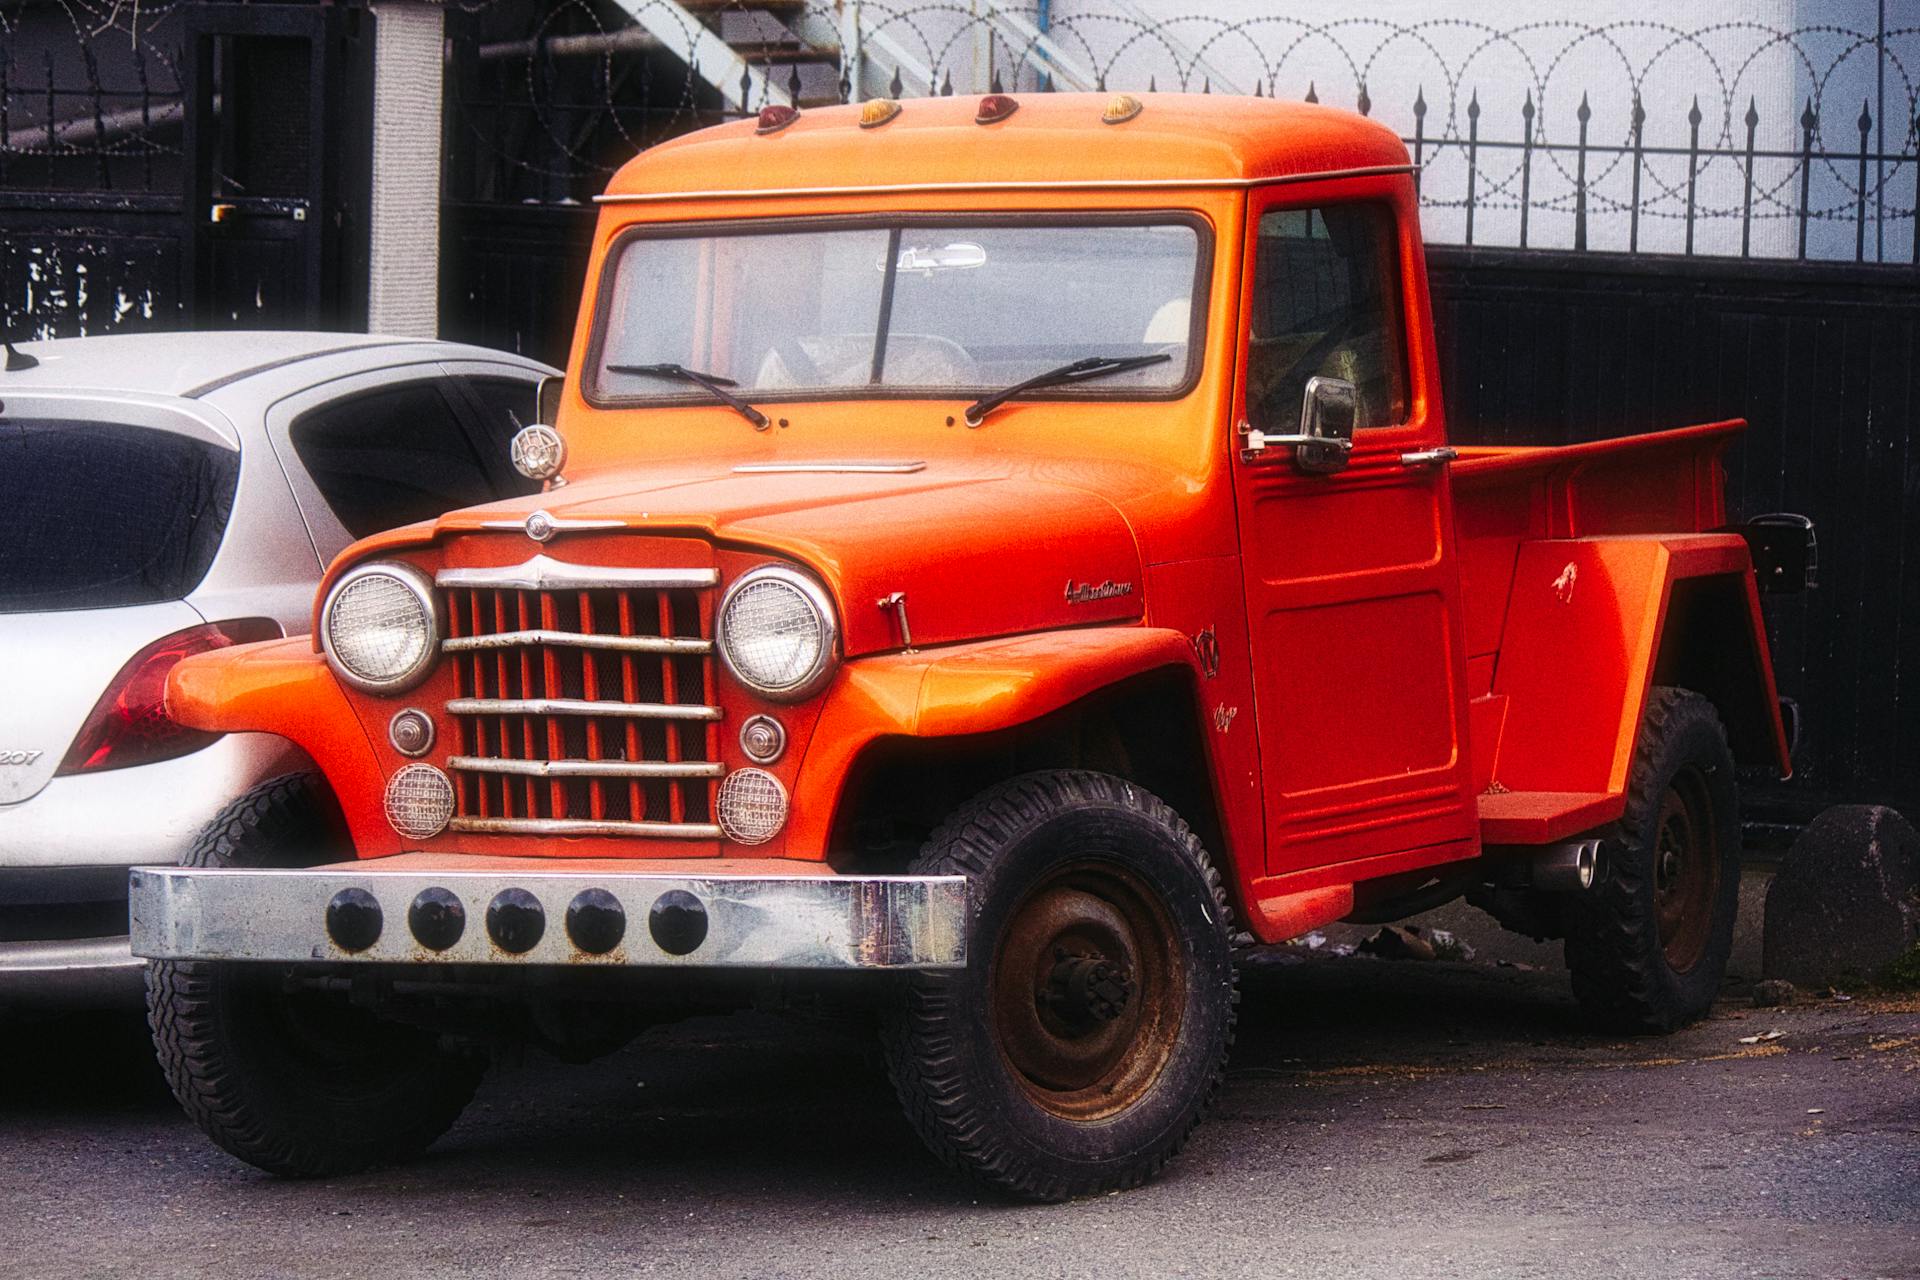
x=1353, y=596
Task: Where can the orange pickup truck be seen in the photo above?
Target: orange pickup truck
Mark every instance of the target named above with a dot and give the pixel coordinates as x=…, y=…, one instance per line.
x=996, y=557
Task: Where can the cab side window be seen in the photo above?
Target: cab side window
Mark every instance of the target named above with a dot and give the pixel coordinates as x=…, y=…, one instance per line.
x=397, y=455
x=1326, y=303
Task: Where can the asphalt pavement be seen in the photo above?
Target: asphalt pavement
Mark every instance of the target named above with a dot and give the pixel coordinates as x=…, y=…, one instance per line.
x=1382, y=1118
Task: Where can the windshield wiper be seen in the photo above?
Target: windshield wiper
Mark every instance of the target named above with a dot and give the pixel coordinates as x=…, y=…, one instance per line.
x=1079, y=371
x=711, y=381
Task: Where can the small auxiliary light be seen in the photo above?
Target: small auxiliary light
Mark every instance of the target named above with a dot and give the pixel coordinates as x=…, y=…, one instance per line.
x=878, y=111
x=775, y=117
x=1121, y=108
x=994, y=108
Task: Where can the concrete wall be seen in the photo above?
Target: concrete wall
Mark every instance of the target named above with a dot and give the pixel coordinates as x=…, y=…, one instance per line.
x=1772, y=55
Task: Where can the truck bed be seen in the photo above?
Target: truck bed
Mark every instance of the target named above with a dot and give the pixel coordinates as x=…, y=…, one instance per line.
x=1567, y=556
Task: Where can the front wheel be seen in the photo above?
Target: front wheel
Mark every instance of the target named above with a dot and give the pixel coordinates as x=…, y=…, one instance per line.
x=297, y=1083
x=1648, y=946
x=1089, y=1031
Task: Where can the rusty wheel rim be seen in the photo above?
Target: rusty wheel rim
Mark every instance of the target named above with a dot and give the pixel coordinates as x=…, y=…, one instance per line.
x=1088, y=987
x=1686, y=870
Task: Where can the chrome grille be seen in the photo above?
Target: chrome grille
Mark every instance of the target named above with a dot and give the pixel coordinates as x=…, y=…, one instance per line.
x=583, y=700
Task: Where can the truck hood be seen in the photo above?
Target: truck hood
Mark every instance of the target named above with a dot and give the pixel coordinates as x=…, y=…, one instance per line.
x=979, y=548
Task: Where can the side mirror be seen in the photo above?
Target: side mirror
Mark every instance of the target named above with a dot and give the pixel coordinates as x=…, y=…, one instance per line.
x=1328, y=412
x=546, y=399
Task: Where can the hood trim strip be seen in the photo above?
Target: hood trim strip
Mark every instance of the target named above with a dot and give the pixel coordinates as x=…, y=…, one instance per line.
x=829, y=468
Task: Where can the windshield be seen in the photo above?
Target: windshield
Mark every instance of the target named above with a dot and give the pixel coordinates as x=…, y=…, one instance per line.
x=908, y=308
x=106, y=515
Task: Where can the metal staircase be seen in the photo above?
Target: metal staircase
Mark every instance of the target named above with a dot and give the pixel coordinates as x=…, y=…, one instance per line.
x=754, y=53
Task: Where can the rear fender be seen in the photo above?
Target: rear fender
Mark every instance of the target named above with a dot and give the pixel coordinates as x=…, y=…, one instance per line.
x=1593, y=623
x=283, y=687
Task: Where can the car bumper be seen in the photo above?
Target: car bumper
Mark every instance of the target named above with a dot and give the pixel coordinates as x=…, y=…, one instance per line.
x=738, y=914
x=78, y=971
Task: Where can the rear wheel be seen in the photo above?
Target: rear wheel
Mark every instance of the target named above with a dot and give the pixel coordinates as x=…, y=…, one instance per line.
x=1089, y=1031
x=1648, y=946
x=298, y=1083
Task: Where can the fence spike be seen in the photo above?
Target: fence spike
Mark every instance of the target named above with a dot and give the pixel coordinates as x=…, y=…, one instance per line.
x=793, y=81
x=993, y=86
x=1364, y=102
x=1256, y=88
x=1752, y=118
x=946, y=83
x=1312, y=95
x=1860, y=207
x=1526, y=109
x=1809, y=119
x=746, y=89
x=1473, y=106
x=1153, y=84
x=1420, y=103
x=1585, y=113
x=1206, y=85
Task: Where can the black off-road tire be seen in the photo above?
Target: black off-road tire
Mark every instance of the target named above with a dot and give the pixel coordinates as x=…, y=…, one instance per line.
x=1081, y=848
x=1622, y=958
x=298, y=1084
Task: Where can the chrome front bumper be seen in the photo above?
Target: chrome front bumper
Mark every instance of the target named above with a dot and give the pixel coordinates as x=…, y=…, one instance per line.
x=526, y=913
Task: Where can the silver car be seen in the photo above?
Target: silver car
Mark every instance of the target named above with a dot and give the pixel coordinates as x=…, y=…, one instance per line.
x=163, y=495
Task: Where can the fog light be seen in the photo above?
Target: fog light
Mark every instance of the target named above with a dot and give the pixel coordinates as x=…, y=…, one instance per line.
x=763, y=739
x=752, y=806
x=419, y=801
x=411, y=732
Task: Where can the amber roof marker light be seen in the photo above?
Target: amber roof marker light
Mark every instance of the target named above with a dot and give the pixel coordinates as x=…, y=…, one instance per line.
x=875, y=112
x=994, y=108
x=775, y=117
x=1121, y=107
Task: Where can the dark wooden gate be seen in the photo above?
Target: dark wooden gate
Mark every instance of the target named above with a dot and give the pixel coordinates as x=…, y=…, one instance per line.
x=1824, y=360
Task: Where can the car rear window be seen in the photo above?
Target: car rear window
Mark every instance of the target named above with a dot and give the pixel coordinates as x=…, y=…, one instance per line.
x=103, y=514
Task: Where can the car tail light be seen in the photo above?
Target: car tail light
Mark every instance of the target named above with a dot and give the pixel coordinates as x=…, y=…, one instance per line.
x=129, y=724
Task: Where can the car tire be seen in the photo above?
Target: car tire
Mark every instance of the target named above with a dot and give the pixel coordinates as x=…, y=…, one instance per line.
x=1089, y=1031
x=1648, y=945
x=297, y=1083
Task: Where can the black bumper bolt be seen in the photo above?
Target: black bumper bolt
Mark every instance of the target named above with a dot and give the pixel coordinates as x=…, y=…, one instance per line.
x=437, y=919
x=516, y=921
x=595, y=921
x=353, y=920
x=677, y=922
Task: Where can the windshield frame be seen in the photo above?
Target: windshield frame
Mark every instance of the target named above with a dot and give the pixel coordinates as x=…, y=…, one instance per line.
x=1198, y=223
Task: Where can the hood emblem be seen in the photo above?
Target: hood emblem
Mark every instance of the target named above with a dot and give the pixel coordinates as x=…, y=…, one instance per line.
x=1087, y=592
x=19, y=757
x=542, y=525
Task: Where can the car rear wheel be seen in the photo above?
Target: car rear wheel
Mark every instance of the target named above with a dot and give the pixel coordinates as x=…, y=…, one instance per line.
x=1089, y=1031
x=1648, y=945
x=297, y=1082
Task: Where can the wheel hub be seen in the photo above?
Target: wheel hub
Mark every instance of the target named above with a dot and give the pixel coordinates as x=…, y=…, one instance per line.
x=1686, y=870
x=1084, y=991
x=1088, y=989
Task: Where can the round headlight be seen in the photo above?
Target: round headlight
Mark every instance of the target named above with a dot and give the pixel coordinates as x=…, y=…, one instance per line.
x=777, y=633
x=381, y=627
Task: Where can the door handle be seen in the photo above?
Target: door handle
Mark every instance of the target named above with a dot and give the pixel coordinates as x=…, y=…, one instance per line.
x=1419, y=458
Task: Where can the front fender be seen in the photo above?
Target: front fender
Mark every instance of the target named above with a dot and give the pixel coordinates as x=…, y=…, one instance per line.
x=283, y=687
x=964, y=689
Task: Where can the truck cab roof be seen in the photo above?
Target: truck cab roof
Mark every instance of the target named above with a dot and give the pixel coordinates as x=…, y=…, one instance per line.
x=1051, y=140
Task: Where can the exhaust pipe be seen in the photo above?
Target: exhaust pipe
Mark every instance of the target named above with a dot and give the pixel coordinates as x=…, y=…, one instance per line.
x=1571, y=867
